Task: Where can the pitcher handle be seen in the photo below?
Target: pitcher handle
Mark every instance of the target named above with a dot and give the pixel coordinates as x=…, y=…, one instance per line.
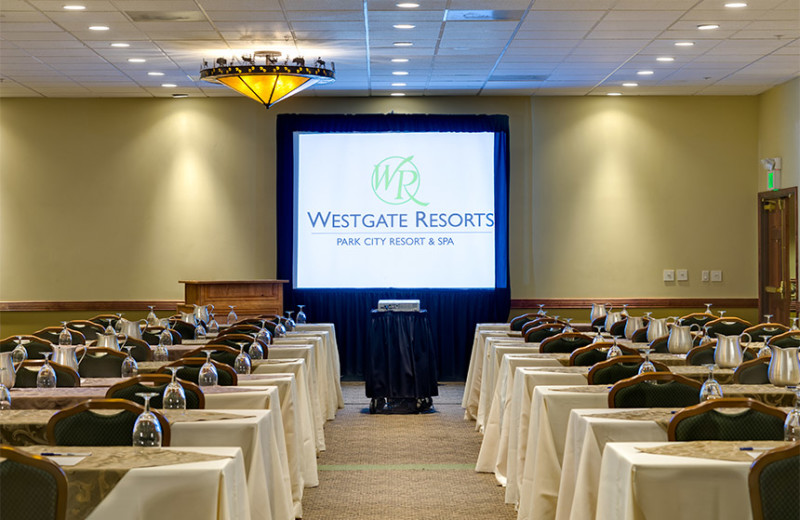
x=749, y=339
x=698, y=329
x=85, y=350
x=124, y=336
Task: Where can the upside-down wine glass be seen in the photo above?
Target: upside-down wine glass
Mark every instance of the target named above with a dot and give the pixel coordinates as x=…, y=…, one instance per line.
x=242, y=364
x=764, y=350
x=129, y=366
x=721, y=314
x=232, y=317
x=541, y=311
x=152, y=319
x=174, y=397
x=46, y=377
x=614, y=351
x=208, y=372
x=213, y=326
x=20, y=353
x=647, y=365
x=768, y=317
x=708, y=308
x=263, y=333
x=791, y=427
x=624, y=311
x=255, y=351
x=165, y=338
x=118, y=324
x=147, y=429
x=569, y=328
x=5, y=397
x=301, y=315
x=711, y=388
x=599, y=337
x=289, y=321
x=64, y=337
x=199, y=331
x=795, y=326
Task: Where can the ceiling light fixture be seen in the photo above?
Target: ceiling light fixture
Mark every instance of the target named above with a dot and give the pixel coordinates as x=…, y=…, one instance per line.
x=403, y=26
x=98, y=28
x=407, y=5
x=735, y=5
x=398, y=94
x=136, y=60
x=169, y=85
x=270, y=82
x=403, y=44
x=708, y=26
x=684, y=44
x=74, y=7
x=630, y=84
x=665, y=58
x=399, y=60
x=398, y=84
x=155, y=73
x=614, y=94
x=645, y=72
x=121, y=45
x=399, y=73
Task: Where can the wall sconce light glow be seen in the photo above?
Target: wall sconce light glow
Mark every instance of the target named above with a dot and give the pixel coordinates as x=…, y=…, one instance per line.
x=735, y=5
x=630, y=84
x=169, y=85
x=665, y=58
x=98, y=28
x=398, y=94
x=684, y=44
x=399, y=73
x=407, y=5
x=155, y=73
x=403, y=26
x=136, y=60
x=708, y=26
x=614, y=94
x=121, y=45
x=398, y=84
x=645, y=73
x=74, y=7
x=399, y=60
x=403, y=44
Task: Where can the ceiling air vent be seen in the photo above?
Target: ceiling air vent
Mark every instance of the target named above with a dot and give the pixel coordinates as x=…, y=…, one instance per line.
x=166, y=16
x=519, y=77
x=482, y=15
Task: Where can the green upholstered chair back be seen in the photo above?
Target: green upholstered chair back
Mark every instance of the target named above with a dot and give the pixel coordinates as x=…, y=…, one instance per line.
x=221, y=353
x=233, y=340
x=246, y=328
x=654, y=390
x=766, y=329
x=774, y=480
x=517, y=322
x=599, y=322
x=640, y=335
x=31, y=487
x=190, y=371
x=616, y=369
x=28, y=370
x=742, y=420
x=697, y=318
x=140, y=350
x=618, y=329
x=34, y=345
x=596, y=353
x=659, y=345
x=753, y=372
x=89, y=329
x=787, y=339
x=564, y=343
x=727, y=326
x=101, y=362
x=129, y=393
x=152, y=335
x=542, y=332
x=185, y=329
x=701, y=355
x=51, y=334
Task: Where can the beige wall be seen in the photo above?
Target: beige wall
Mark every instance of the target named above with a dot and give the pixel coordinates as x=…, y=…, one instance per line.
x=114, y=199
x=779, y=131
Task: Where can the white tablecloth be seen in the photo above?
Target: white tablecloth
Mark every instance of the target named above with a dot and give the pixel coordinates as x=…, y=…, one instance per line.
x=495, y=348
x=472, y=387
x=332, y=348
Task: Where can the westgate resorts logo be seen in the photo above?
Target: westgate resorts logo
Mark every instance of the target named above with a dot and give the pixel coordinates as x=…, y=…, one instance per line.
x=396, y=181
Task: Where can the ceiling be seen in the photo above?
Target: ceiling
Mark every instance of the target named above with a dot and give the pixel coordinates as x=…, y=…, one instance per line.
x=460, y=47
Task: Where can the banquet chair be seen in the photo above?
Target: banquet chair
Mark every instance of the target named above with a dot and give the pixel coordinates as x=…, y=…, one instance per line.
x=89, y=329
x=233, y=340
x=753, y=372
x=34, y=345
x=82, y=425
x=127, y=389
x=31, y=486
x=660, y=345
x=618, y=329
x=595, y=353
x=538, y=334
x=66, y=377
x=703, y=422
x=184, y=328
x=564, y=343
x=727, y=326
x=105, y=319
x=640, y=335
x=704, y=354
x=766, y=329
x=101, y=362
x=617, y=368
x=773, y=481
x=517, y=322
x=599, y=322
x=51, y=335
x=221, y=353
x=152, y=335
x=654, y=389
x=787, y=339
x=542, y=320
x=190, y=371
x=140, y=350
x=696, y=318
x=244, y=328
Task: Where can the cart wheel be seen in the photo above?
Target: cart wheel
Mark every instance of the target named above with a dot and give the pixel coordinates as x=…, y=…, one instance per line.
x=373, y=406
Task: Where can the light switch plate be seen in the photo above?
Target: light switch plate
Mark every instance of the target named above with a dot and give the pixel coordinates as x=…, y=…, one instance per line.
x=716, y=275
x=682, y=275
x=669, y=275
x=704, y=276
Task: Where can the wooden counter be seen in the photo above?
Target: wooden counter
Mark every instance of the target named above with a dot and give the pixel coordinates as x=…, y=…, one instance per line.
x=251, y=297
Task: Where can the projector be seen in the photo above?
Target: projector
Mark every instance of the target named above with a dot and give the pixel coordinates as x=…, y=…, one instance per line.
x=398, y=305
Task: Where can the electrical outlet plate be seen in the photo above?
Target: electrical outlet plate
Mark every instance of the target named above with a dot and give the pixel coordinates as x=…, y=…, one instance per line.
x=716, y=275
x=704, y=276
x=669, y=275
x=682, y=275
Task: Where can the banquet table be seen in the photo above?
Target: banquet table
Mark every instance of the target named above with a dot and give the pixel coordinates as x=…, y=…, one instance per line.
x=126, y=483
x=253, y=431
x=472, y=386
x=665, y=481
x=538, y=481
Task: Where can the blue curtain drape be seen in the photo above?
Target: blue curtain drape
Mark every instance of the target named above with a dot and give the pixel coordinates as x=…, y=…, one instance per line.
x=453, y=312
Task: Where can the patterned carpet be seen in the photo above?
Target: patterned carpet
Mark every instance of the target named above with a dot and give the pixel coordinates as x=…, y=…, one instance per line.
x=403, y=466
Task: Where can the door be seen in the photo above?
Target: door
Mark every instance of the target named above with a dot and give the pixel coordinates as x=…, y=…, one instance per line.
x=777, y=253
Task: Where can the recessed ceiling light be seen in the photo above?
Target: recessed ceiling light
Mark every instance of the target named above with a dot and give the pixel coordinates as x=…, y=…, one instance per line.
x=736, y=5
x=74, y=7
x=121, y=45
x=407, y=5
x=398, y=84
x=630, y=84
x=169, y=85
x=684, y=44
x=136, y=60
x=398, y=94
x=402, y=44
x=614, y=94
x=665, y=58
x=708, y=26
x=403, y=26
x=177, y=96
x=98, y=28
x=400, y=73
x=155, y=73
x=399, y=60
x=645, y=73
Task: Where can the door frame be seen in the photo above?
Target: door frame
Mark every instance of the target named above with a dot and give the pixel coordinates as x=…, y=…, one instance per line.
x=791, y=195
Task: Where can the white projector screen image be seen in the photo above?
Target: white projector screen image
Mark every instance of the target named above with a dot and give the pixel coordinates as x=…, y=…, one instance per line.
x=394, y=210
